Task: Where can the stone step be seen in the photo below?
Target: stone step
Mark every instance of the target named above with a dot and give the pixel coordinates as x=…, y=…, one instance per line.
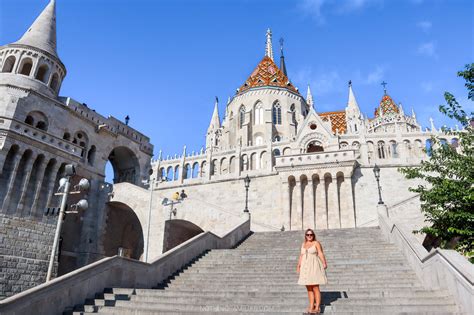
x=249, y=282
x=126, y=293
x=302, y=300
x=229, y=305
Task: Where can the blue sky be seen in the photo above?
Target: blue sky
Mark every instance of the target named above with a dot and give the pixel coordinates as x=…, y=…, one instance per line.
x=162, y=62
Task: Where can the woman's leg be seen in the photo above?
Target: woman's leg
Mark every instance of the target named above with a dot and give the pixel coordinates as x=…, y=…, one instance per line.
x=317, y=297
x=310, y=290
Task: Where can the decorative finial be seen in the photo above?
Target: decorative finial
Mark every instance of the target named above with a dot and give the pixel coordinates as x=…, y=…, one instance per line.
x=350, y=83
x=268, y=46
x=127, y=119
x=384, y=84
x=217, y=100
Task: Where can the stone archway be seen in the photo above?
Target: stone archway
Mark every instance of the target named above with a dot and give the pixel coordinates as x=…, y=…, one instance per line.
x=178, y=231
x=123, y=230
x=314, y=146
x=125, y=165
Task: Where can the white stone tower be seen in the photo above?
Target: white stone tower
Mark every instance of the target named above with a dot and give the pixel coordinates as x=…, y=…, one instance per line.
x=32, y=61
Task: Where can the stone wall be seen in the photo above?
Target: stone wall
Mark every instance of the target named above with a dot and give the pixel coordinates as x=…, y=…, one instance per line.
x=25, y=246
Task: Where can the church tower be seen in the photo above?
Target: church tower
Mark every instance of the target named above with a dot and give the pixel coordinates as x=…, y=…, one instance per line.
x=32, y=62
x=214, y=129
x=354, y=119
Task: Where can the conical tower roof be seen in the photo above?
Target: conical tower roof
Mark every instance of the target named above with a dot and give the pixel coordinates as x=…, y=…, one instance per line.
x=352, y=102
x=215, y=120
x=42, y=33
x=267, y=73
x=386, y=107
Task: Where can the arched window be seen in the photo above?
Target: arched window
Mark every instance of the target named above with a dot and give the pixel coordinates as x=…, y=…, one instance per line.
x=241, y=116
x=258, y=140
x=41, y=125
x=29, y=120
x=276, y=114
x=41, y=73
x=67, y=136
x=26, y=65
x=314, y=146
x=393, y=149
x=276, y=152
x=8, y=64
x=91, y=155
x=196, y=170
x=54, y=82
x=277, y=138
x=381, y=149
x=259, y=114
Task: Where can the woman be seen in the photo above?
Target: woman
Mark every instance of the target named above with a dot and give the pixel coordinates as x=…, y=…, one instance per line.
x=311, y=267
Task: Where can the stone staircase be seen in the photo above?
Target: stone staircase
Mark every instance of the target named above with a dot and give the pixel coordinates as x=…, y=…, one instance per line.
x=366, y=275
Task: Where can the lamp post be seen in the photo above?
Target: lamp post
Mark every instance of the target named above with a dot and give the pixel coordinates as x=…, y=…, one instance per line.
x=175, y=199
x=65, y=184
x=377, y=177
x=247, y=185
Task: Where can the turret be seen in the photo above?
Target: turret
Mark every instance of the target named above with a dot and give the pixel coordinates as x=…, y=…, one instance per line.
x=32, y=62
x=213, y=131
x=354, y=117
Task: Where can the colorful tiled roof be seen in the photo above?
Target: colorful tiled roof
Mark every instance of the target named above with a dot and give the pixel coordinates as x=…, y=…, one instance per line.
x=267, y=73
x=387, y=106
x=337, y=119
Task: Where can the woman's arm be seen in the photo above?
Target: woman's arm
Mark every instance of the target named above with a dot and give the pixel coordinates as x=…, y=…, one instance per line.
x=299, y=262
x=321, y=254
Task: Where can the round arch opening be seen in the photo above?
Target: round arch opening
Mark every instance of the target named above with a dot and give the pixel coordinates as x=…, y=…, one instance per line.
x=125, y=165
x=314, y=146
x=123, y=231
x=177, y=232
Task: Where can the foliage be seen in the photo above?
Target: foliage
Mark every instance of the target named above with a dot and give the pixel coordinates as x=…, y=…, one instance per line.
x=447, y=198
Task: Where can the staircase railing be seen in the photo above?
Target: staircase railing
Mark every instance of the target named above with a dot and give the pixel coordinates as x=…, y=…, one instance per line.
x=439, y=268
x=73, y=288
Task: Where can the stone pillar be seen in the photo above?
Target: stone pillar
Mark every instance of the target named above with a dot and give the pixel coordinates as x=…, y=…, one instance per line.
x=347, y=203
x=333, y=205
x=24, y=185
x=312, y=200
x=321, y=212
x=287, y=206
x=36, y=187
x=8, y=195
x=296, y=220
x=52, y=183
x=308, y=206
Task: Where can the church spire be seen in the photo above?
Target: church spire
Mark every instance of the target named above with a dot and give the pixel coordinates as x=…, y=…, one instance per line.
x=352, y=102
x=268, y=46
x=42, y=33
x=309, y=97
x=215, y=120
x=282, y=58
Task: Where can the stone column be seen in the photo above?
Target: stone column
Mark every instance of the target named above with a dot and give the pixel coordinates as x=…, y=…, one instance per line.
x=24, y=185
x=287, y=206
x=299, y=209
x=333, y=205
x=321, y=212
x=308, y=206
x=37, y=189
x=312, y=200
x=14, y=173
x=347, y=204
x=52, y=183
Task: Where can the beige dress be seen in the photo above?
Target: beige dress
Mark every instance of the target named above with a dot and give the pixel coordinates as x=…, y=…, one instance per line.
x=311, y=269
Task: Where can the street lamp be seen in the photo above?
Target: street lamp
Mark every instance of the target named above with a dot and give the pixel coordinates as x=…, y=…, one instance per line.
x=65, y=185
x=175, y=199
x=377, y=177
x=247, y=185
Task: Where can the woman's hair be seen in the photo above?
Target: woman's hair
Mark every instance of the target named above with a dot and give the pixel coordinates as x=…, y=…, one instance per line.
x=309, y=230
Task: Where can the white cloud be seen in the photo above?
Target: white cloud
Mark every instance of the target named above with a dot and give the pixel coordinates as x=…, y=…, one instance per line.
x=319, y=8
x=427, y=49
x=321, y=83
x=425, y=26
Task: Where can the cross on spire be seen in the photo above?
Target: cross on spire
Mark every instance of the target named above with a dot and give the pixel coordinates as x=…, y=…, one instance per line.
x=268, y=46
x=384, y=84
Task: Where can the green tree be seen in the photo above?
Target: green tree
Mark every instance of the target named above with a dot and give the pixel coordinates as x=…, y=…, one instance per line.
x=447, y=197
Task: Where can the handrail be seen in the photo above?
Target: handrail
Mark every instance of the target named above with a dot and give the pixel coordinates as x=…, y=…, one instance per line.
x=73, y=288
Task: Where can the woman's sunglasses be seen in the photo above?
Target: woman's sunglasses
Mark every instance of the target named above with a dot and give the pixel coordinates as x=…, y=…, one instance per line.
x=309, y=234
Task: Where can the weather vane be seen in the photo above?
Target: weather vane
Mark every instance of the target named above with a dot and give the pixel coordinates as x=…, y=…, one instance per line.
x=281, y=44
